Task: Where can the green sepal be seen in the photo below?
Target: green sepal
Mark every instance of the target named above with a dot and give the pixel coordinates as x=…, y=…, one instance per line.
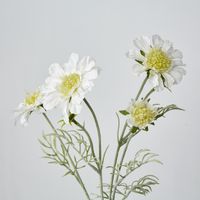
x=124, y=112
x=138, y=61
x=146, y=128
x=134, y=129
x=71, y=118
x=142, y=53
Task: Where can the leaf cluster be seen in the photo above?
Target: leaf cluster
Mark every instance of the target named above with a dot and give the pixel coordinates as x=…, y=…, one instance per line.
x=67, y=148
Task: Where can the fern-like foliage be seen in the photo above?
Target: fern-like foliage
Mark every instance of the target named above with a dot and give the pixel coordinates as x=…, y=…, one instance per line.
x=141, y=186
x=69, y=149
x=163, y=110
x=142, y=157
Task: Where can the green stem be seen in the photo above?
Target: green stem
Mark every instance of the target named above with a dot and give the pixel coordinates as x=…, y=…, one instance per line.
x=100, y=149
x=89, y=138
x=97, y=125
x=142, y=87
x=122, y=160
x=149, y=93
x=115, y=160
x=127, y=143
x=78, y=177
x=126, y=196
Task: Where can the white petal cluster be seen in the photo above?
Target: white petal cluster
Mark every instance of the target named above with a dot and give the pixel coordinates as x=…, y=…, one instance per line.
x=159, y=58
x=67, y=85
x=31, y=103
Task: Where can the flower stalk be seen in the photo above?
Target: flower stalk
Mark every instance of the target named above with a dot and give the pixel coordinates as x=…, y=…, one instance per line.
x=99, y=164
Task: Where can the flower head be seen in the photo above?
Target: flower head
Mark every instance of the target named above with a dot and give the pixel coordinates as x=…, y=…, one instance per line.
x=32, y=102
x=159, y=58
x=141, y=114
x=67, y=85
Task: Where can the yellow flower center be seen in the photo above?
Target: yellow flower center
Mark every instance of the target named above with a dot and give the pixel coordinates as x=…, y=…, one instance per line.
x=69, y=84
x=158, y=60
x=142, y=115
x=32, y=98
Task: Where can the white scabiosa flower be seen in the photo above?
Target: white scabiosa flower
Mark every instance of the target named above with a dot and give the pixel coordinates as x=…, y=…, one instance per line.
x=141, y=114
x=158, y=56
x=31, y=103
x=67, y=85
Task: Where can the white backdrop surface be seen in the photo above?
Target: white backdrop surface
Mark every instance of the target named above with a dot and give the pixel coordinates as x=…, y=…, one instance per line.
x=36, y=33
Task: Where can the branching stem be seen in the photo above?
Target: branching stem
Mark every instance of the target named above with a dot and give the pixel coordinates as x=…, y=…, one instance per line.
x=100, y=167
x=115, y=160
x=142, y=87
x=77, y=175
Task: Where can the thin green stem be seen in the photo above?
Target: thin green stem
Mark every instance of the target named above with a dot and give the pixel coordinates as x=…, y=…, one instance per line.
x=100, y=148
x=115, y=160
x=122, y=160
x=91, y=145
x=129, y=136
x=49, y=122
x=126, y=196
x=77, y=176
x=97, y=125
x=89, y=138
x=142, y=87
x=149, y=93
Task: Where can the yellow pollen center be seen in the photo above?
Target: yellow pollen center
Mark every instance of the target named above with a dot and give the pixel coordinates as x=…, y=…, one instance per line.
x=32, y=98
x=158, y=60
x=69, y=84
x=142, y=115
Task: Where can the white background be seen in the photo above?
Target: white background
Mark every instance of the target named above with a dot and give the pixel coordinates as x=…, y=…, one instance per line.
x=34, y=34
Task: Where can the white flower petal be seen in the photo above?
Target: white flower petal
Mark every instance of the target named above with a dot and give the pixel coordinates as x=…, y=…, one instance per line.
x=71, y=65
x=180, y=70
x=142, y=43
x=154, y=80
x=24, y=118
x=176, y=54
x=91, y=75
x=65, y=111
x=52, y=82
x=167, y=45
x=177, y=73
x=81, y=91
x=74, y=59
x=169, y=80
x=87, y=85
x=86, y=64
x=77, y=99
x=146, y=43
x=56, y=70
x=157, y=41
x=91, y=64
x=75, y=108
x=134, y=54
x=69, y=68
x=138, y=69
x=21, y=106
x=51, y=100
x=131, y=53
x=177, y=63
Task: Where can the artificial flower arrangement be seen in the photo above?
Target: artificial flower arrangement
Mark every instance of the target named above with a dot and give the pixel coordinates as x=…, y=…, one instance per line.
x=70, y=143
